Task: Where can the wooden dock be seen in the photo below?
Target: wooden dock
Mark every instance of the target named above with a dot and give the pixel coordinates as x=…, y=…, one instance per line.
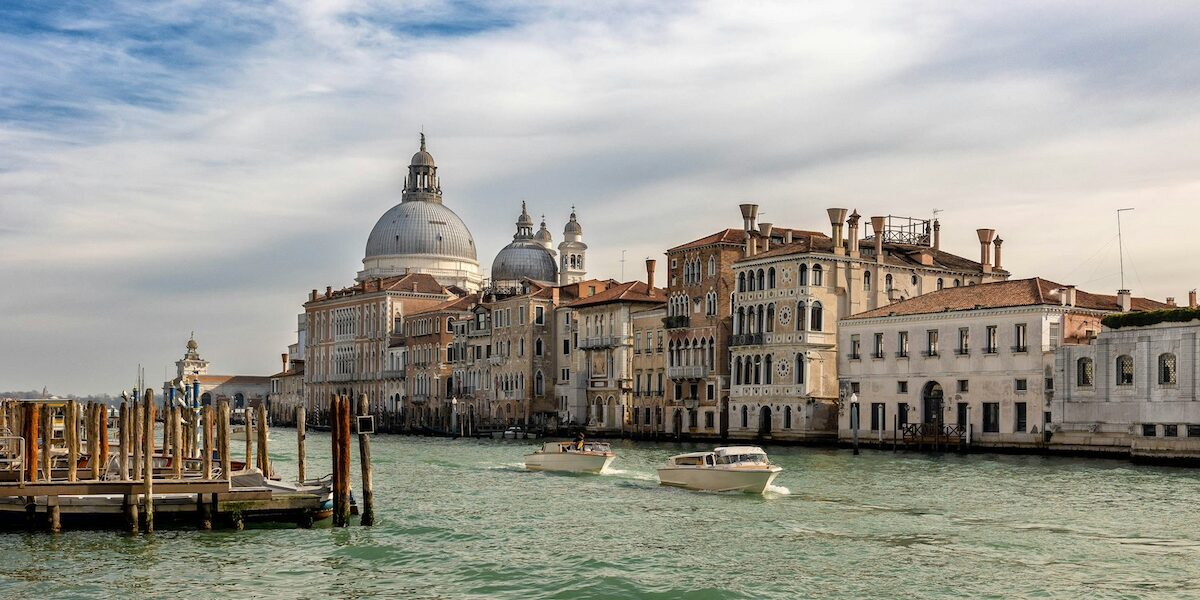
x=59, y=461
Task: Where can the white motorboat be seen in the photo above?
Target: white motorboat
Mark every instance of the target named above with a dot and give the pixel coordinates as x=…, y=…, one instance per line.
x=725, y=469
x=570, y=457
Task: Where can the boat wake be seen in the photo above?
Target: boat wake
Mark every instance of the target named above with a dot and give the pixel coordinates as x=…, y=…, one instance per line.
x=778, y=490
x=626, y=474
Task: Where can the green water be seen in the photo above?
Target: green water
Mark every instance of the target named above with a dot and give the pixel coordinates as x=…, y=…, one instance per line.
x=462, y=519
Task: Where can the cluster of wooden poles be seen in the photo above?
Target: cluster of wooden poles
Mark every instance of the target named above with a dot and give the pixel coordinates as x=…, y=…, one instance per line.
x=341, y=411
x=191, y=440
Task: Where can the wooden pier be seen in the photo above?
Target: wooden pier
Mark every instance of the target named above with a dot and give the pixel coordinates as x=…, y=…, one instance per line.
x=59, y=461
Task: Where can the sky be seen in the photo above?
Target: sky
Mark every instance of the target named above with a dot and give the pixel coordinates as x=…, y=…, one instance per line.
x=201, y=165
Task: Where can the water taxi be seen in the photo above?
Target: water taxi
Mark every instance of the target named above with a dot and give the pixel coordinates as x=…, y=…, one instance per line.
x=569, y=457
x=725, y=469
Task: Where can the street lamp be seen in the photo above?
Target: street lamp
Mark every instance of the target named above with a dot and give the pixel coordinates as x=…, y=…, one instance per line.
x=854, y=420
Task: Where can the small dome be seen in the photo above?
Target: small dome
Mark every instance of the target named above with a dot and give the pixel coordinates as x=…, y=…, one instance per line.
x=422, y=159
x=543, y=234
x=573, y=227
x=191, y=345
x=524, y=258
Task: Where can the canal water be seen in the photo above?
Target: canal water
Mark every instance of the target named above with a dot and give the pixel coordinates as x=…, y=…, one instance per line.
x=462, y=519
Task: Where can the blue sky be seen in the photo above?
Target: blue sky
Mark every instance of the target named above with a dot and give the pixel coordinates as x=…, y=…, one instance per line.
x=179, y=166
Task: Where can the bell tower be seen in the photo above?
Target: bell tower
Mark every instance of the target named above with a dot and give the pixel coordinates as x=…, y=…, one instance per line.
x=572, y=253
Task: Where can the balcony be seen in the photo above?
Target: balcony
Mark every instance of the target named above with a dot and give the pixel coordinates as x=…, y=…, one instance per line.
x=1020, y=349
x=495, y=361
x=746, y=339
x=419, y=398
x=690, y=372
x=394, y=374
x=604, y=341
x=676, y=322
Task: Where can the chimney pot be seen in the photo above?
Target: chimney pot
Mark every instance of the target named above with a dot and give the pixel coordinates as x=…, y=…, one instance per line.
x=328, y=291
x=1192, y=299
x=787, y=236
x=285, y=357
x=877, y=224
x=997, y=245
x=1171, y=301
x=937, y=235
x=852, y=233
x=650, y=275
x=749, y=216
x=985, y=248
x=1069, y=296
x=765, y=230
x=836, y=216
x=1125, y=299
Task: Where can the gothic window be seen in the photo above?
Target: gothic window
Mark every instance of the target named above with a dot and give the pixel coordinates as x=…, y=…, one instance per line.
x=803, y=275
x=817, y=275
x=866, y=281
x=539, y=384
x=800, y=368
x=770, y=318
x=887, y=282
x=767, y=371
x=1166, y=369
x=762, y=280
x=742, y=281
x=1125, y=370
x=818, y=318
x=771, y=278
x=712, y=266
x=757, y=370
x=800, y=317
x=537, y=347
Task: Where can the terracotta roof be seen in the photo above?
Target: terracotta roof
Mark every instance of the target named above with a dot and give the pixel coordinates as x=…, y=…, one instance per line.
x=900, y=255
x=299, y=371
x=737, y=237
x=452, y=305
x=234, y=379
x=417, y=283
x=630, y=291
x=1003, y=294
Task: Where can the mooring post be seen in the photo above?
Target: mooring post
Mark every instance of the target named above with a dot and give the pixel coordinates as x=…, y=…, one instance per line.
x=207, y=441
x=226, y=433
x=177, y=442
x=123, y=444
x=71, y=436
x=95, y=460
x=344, y=442
x=334, y=431
x=47, y=440
x=53, y=516
x=31, y=441
x=300, y=442
x=148, y=467
x=248, y=437
x=136, y=443
x=364, y=459
x=264, y=456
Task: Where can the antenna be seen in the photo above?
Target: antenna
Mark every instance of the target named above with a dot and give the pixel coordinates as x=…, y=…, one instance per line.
x=622, y=265
x=1121, y=245
x=936, y=212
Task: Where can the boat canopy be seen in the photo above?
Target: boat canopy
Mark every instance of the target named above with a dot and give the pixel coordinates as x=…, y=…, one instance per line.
x=726, y=450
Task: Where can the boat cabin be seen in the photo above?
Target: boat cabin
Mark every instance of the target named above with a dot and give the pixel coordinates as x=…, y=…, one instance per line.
x=555, y=447
x=740, y=455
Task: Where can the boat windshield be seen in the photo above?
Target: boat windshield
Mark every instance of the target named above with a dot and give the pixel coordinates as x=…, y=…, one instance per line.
x=742, y=459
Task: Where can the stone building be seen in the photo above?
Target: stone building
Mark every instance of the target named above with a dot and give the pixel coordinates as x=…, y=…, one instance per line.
x=1132, y=389
x=603, y=361
x=649, y=372
x=350, y=335
x=789, y=299
x=422, y=235
x=242, y=391
x=287, y=390
x=431, y=402
x=699, y=322
x=980, y=356
x=570, y=387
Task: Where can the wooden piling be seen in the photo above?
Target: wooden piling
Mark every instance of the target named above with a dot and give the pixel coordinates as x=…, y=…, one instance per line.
x=71, y=437
x=344, y=456
x=102, y=438
x=300, y=442
x=123, y=443
x=334, y=432
x=53, y=515
x=148, y=457
x=93, y=433
x=31, y=438
x=135, y=416
x=264, y=456
x=249, y=438
x=226, y=459
x=206, y=415
x=368, y=479
x=177, y=442
x=47, y=440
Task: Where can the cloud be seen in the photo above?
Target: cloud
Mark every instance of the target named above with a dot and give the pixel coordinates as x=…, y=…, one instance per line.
x=202, y=165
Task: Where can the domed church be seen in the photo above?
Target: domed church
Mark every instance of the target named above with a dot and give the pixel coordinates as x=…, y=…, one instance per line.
x=422, y=235
x=531, y=255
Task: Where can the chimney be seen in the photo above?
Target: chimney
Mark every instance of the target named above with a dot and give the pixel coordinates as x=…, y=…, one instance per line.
x=787, y=236
x=1192, y=299
x=284, y=355
x=1171, y=301
x=313, y=296
x=650, y=275
x=554, y=296
x=985, y=248
x=749, y=244
x=997, y=245
x=765, y=230
x=329, y=291
x=749, y=216
x=1125, y=299
x=877, y=227
x=836, y=216
x=937, y=235
x=852, y=236
x=1069, y=296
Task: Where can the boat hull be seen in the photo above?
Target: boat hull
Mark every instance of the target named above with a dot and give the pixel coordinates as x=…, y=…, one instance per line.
x=751, y=481
x=568, y=462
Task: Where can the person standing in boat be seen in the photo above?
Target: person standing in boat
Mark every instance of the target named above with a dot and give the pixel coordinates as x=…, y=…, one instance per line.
x=579, y=441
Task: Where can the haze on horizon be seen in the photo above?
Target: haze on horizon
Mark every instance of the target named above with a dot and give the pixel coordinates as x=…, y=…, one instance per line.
x=203, y=165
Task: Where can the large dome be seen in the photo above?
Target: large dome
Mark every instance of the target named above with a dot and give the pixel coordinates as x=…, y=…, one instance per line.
x=521, y=259
x=420, y=228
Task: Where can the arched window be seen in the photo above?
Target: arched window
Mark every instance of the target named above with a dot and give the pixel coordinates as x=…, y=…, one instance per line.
x=800, y=368
x=803, y=275
x=745, y=420
x=762, y=280
x=767, y=371
x=771, y=278
x=757, y=369
x=539, y=384
x=712, y=266
x=742, y=281
x=770, y=318
x=712, y=354
x=787, y=417
x=887, y=282
x=801, y=322
x=957, y=283
x=741, y=321
x=818, y=318
x=1084, y=371
x=818, y=275
x=737, y=371
x=866, y=281
x=940, y=284
x=1124, y=370
x=537, y=346
x=914, y=280
x=758, y=320
x=1167, y=374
